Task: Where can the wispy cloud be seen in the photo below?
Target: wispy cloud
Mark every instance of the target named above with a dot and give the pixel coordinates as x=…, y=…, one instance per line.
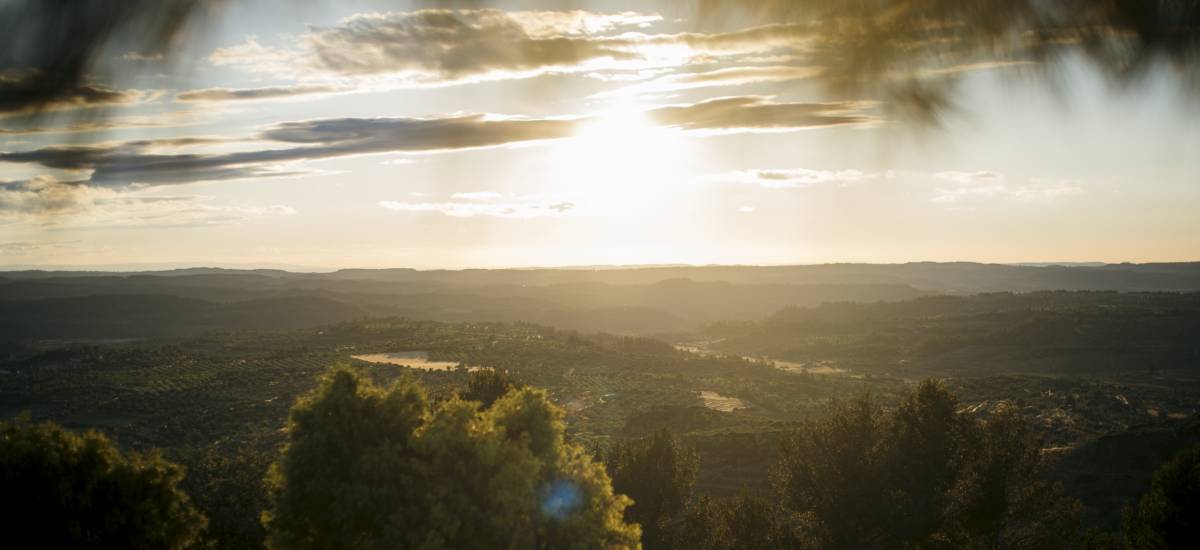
x=48, y=202
x=984, y=185
x=256, y=94
x=729, y=76
x=791, y=178
x=21, y=248
x=757, y=113
x=526, y=209
x=477, y=196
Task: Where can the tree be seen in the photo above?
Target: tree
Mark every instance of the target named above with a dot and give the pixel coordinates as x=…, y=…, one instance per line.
x=366, y=467
x=922, y=476
x=1001, y=498
x=833, y=471
x=658, y=473
x=225, y=483
x=740, y=523
x=1167, y=517
x=488, y=385
x=760, y=524
x=702, y=525
x=67, y=490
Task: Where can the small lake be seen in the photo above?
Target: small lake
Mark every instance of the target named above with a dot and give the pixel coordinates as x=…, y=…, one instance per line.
x=412, y=359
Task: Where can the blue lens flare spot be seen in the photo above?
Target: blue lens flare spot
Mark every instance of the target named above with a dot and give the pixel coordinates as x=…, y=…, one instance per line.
x=560, y=499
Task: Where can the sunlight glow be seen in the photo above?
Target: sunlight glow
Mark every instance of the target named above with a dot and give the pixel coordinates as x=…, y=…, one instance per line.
x=620, y=162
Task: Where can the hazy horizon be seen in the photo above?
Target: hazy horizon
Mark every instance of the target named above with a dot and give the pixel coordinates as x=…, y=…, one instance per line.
x=181, y=266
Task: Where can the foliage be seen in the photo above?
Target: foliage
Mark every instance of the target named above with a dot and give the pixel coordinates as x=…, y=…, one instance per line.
x=658, y=473
x=367, y=467
x=67, y=490
x=230, y=392
x=1167, y=516
x=922, y=476
x=488, y=385
x=741, y=523
x=227, y=484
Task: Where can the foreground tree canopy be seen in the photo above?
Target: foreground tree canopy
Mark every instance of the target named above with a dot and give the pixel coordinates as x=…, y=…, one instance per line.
x=66, y=490
x=1167, y=515
x=371, y=467
x=922, y=476
x=658, y=472
x=368, y=467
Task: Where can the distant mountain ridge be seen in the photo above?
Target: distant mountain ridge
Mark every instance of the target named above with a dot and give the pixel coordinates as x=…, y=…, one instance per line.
x=947, y=277
x=632, y=300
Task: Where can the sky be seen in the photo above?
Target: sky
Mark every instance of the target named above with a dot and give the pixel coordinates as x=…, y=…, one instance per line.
x=325, y=135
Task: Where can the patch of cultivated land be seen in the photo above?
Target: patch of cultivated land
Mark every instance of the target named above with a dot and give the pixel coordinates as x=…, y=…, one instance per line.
x=723, y=403
x=411, y=359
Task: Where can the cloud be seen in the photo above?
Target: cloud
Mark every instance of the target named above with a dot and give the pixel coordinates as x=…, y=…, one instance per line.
x=885, y=48
x=255, y=94
x=755, y=40
x=45, y=196
x=488, y=209
x=729, y=76
x=48, y=202
x=791, y=178
x=971, y=178
x=452, y=45
x=372, y=135
x=89, y=124
x=438, y=46
x=131, y=163
x=751, y=113
x=74, y=128
x=972, y=67
x=1040, y=189
x=255, y=57
x=477, y=196
x=30, y=92
x=55, y=52
x=21, y=248
x=578, y=22
x=140, y=162
x=984, y=185
x=980, y=184
x=143, y=58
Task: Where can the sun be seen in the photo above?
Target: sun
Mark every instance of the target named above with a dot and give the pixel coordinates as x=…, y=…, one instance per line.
x=619, y=160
